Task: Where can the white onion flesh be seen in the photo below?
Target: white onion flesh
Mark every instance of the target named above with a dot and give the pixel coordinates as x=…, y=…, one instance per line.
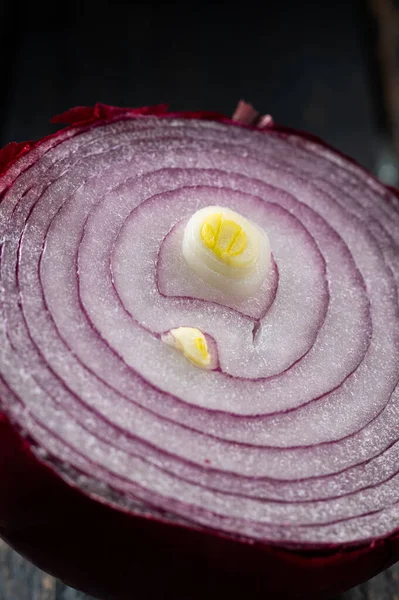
x=294, y=437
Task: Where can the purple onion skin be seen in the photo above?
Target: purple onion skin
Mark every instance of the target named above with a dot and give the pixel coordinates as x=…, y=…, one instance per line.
x=115, y=555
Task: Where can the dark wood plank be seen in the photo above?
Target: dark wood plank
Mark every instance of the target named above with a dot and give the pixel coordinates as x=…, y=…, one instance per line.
x=386, y=13
x=20, y=580
x=383, y=587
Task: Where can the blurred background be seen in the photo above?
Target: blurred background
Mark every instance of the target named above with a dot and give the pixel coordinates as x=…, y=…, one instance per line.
x=330, y=67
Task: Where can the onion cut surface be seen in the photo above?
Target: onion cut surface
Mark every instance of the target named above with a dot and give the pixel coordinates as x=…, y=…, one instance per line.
x=293, y=439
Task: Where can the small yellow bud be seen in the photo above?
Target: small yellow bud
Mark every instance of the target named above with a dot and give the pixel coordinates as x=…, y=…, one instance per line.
x=192, y=343
x=226, y=250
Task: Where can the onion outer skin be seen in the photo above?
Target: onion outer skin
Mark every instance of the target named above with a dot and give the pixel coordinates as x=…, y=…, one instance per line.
x=112, y=554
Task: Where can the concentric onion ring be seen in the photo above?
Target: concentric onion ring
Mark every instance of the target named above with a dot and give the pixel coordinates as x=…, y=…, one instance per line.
x=294, y=439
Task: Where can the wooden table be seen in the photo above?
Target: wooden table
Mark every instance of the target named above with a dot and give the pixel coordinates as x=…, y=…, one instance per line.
x=313, y=65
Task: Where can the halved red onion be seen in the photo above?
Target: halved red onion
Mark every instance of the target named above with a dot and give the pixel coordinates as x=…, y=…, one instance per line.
x=293, y=440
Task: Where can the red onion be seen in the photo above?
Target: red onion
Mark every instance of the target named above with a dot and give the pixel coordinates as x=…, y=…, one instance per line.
x=122, y=463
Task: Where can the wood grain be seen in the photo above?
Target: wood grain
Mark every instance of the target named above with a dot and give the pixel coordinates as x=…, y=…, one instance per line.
x=20, y=580
x=387, y=18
